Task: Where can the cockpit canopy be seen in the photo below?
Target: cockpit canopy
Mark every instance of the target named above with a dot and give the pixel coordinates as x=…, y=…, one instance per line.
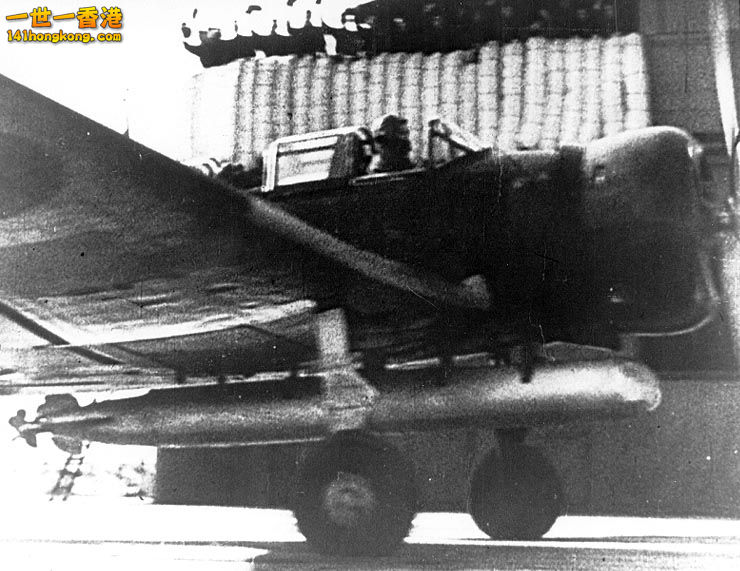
x=344, y=153
x=448, y=141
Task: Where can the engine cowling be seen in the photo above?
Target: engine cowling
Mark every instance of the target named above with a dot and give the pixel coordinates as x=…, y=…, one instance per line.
x=643, y=211
x=611, y=233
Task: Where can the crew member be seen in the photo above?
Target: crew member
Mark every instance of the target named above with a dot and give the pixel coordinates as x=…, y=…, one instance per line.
x=391, y=135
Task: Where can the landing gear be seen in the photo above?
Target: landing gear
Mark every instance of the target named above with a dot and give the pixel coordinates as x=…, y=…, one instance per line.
x=355, y=495
x=515, y=493
x=729, y=262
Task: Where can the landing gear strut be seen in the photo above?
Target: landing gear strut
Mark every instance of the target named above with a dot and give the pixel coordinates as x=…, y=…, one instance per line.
x=355, y=495
x=515, y=492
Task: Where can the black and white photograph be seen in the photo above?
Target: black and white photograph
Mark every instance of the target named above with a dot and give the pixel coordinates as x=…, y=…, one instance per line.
x=370, y=284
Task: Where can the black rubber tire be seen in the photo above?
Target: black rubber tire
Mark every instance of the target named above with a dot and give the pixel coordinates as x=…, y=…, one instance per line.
x=377, y=480
x=515, y=494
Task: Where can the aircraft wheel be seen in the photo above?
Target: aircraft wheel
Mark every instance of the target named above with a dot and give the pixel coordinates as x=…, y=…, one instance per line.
x=515, y=493
x=355, y=495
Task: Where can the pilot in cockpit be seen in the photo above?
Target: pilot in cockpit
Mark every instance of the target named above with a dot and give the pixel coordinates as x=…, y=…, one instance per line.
x=391, y=135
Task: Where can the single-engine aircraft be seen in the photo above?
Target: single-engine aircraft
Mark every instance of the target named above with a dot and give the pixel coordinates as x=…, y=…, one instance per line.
x=480, y=289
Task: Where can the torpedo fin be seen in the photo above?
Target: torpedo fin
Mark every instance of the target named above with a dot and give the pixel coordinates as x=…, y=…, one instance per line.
x=56, y=404
x=67, y=444
x=25, y=429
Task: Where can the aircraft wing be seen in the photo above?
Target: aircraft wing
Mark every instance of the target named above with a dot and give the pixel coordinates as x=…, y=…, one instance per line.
x=121, y=255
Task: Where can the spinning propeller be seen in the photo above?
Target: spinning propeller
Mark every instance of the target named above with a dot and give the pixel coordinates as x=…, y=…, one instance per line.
x=719, y=27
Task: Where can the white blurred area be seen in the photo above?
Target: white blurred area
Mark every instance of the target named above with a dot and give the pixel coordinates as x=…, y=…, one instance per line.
x=94, y=79
x=142, y=84
x=97, y=79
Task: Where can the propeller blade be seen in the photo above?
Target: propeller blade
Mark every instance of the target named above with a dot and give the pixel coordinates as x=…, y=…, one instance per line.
x=719, y=26
x=721, y=41
x=383, y=270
